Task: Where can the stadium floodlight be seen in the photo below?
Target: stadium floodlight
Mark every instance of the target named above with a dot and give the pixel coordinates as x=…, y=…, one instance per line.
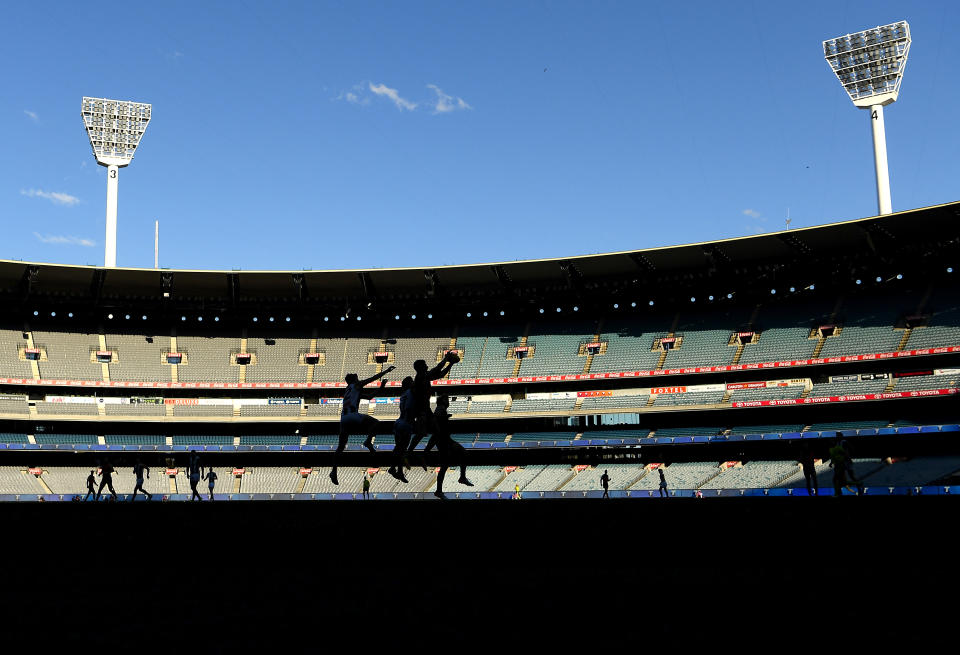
x=870, y=66
x=115, y=128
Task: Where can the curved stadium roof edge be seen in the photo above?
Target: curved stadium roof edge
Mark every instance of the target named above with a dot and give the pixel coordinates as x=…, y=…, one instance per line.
x=887, y=234
x=794, y=231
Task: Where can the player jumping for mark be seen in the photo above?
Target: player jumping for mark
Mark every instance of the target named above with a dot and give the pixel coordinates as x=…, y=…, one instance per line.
x=446, y=446
x=402, y=429
x=351, y=420
x=421, y=395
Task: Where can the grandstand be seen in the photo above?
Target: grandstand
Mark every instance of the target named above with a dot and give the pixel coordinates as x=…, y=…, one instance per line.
x=640, y=339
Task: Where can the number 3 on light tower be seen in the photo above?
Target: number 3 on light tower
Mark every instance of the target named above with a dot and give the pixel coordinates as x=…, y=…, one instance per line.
x=113, y=173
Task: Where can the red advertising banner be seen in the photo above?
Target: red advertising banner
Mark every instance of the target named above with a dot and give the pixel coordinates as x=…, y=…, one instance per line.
x=240, y=471
x=580, y=468
x=172, y=471
x=593, y=344
x=745, y=334
x=667, y=339
x=306, y=471
x=728, y=465
x=746, y=385
x=593, y=394
x=373, y=472
x=509, y=469
x=573, y=377
x=521, y=349
x=840, y=399
x=35, y=471
x=104, y=353
x=32, y=351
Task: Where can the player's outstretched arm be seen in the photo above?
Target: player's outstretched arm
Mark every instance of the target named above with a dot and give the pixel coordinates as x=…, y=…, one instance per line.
x=444, y=366
x=376, y=377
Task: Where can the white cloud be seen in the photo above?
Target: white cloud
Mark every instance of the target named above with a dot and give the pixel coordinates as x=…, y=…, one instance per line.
x=61, y=240
x=55, y=197
x=32, y=115
x=355, y=97
x=752, y=213
x=445, y=102
x=393, y=95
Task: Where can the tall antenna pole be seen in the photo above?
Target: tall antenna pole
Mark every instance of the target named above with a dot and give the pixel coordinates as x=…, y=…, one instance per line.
x=156, y=244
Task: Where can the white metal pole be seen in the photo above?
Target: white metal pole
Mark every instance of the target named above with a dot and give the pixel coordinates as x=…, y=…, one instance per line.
x=880, y=160
x=110, y=244
x=156, y=244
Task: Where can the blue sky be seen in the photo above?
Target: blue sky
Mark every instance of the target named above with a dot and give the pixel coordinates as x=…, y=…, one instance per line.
x=357, y=134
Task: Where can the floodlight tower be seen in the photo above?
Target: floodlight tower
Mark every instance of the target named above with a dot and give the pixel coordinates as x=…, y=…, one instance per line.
x=115, y=128
x=870, y=66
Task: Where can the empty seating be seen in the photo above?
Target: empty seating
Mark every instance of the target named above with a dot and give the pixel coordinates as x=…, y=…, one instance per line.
x=68, y=355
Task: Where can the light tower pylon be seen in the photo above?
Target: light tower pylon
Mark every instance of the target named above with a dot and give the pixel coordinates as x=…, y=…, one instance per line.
x=870, y=66
x=115, y=128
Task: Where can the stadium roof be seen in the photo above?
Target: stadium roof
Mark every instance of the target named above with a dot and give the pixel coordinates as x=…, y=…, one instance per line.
x=915, y=233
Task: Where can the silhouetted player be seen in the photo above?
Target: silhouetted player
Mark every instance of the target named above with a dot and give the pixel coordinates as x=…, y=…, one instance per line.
x=446, y=446
x=853, y=478
x=351, y=420
x=605, y=483
x=91, y=481
x=106, y=472
x=138, y=470
x=663, y=483
x=211, y=478
x=809, y=472
x=842, y=465
x=196, y=472
x=421, y=395
x=402, y=429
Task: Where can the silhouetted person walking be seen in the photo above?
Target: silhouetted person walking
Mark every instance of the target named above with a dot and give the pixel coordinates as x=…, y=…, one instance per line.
x=842, y=467
x=195, y=471
x=402, y=429
x=91, y=482
x=351, y=420
x=663, y=484
x=447, y=447
x=366, y=487
x=211, y=478
x=106, y=473
x=809, y=472
x=138, y=470
x=421, y=395
x=605, y=483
